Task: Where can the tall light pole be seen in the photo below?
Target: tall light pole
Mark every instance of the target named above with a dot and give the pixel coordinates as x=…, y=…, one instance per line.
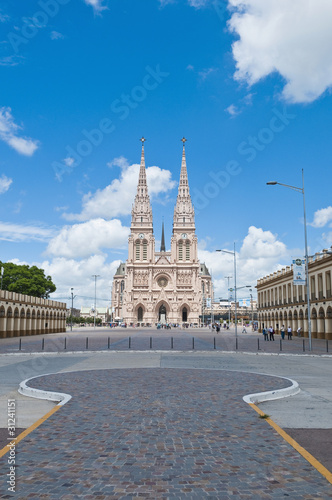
x=301, y=190
x=234, y=255
x=95, y=276
x=252, y=311
x=229, y=307
x=72, y=307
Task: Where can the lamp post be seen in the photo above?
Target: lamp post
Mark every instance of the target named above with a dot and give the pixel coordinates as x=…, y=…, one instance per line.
x=301, y=190
x=72, y=307
x=252, y=311
x=229, y=307
x=95, y=276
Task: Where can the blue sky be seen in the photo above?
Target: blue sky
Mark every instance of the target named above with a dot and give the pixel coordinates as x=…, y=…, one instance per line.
x=247, y=83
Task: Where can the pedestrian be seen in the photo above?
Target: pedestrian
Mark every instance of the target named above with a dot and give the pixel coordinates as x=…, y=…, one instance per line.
x=289, y=333
x=218, y=328
x=244, y=330
x=299, y=331
x=282, y=331
x=265, y=334
x=271, y=333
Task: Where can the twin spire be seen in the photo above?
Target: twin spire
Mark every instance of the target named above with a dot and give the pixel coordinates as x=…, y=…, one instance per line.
x=183, y=212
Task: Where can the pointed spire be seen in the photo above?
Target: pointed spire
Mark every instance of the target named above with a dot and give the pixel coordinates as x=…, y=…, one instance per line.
x=142, y=171
x=184, y=216
x=162, y=246
x=142, y=212
x=183, y=175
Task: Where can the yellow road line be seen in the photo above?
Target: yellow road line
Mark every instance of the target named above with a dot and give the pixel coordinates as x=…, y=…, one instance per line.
x=29, y=429
x=305, y=454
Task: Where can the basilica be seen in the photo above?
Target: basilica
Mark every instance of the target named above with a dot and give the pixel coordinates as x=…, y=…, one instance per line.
x=154, y=287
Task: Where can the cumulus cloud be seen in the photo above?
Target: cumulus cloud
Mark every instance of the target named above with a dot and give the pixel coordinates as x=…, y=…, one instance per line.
x=290, y=38
x=82, y=240
x=20, y=233
x=97, y=5
x=322, y=217
x=116, y=199
x=260, y=254
x=9, y=134
x=5, y=183
x=55, y=35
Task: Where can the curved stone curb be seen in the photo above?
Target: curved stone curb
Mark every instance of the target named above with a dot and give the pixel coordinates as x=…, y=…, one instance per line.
x=60, y=397
x=259, y=397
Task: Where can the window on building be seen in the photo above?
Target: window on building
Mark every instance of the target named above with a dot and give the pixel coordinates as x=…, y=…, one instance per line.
x=184, y=220
x=284, y=294
x=320, y=286
x=187, y=250
x=145, y=250
x=328, y=284
x=289, y=293
x=180, y=250
x=138, y=250
x=313, y=287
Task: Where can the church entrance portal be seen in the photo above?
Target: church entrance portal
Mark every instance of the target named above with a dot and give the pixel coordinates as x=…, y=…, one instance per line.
x=140, y=314
x=162, y=314
x=184, y=315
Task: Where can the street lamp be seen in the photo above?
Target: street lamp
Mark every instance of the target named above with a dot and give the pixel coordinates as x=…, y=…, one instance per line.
x=301, y=190
x=72, y=307
x=234, y=255
x=229, y=307
x=252, y=310
x=95, y=276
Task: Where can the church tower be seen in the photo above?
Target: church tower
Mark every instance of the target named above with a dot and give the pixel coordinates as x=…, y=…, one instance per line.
x=141, y=239
x=184, y=241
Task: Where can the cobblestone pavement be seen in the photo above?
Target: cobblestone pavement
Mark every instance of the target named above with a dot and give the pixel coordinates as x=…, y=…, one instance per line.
x=160, y=433
x=150, y=338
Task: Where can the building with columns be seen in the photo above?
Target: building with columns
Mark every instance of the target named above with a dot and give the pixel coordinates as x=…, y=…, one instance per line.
x=280, y=302
x=167, y=286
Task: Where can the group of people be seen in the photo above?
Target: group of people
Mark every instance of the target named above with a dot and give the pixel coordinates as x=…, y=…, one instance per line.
x=269, y=333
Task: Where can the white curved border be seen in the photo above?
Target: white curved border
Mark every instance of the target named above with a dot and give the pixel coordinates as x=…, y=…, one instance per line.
x=259, y=397
x=61, y=397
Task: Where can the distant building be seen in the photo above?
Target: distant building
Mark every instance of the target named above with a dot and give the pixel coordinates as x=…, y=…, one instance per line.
x=161, y=287
x=280, y=302
x=101, y=312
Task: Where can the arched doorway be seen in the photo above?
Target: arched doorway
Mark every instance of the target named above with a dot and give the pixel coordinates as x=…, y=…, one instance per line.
x=140, y=314
x=162, y=314
x=184, y=315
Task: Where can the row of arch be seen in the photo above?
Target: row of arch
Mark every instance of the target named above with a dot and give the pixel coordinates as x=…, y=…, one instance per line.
x=321, y=321
x=15, y=321
x=162, y=312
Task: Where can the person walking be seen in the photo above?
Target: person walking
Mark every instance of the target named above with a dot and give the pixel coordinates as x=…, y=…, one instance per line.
x=289, y=333
x=282, y=331
x=271, y=333
x=265, y=334
x=299, y=331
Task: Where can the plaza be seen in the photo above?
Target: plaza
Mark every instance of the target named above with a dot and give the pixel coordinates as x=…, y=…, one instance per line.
x=163, y=423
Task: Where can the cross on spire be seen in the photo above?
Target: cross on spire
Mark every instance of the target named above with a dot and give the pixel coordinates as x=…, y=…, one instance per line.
x=183, y=140
x=143, y=140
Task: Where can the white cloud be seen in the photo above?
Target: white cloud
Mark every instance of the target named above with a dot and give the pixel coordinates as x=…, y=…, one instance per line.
x=19, y=233
x=117, y=198
x=260, y=254
x=291, y=38
x=205, y=73
x=67, y=273
x=198, y=3
x=322, y=217
x=97, y=5
x=83, y=240
x=9, y=134
x=55, y=35
x=5, y=183
x=233, y=110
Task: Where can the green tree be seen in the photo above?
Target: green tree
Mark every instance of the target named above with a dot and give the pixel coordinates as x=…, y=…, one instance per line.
x=27, y=280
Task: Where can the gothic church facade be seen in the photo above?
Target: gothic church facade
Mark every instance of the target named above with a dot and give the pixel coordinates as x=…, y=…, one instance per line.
x=161, y=287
